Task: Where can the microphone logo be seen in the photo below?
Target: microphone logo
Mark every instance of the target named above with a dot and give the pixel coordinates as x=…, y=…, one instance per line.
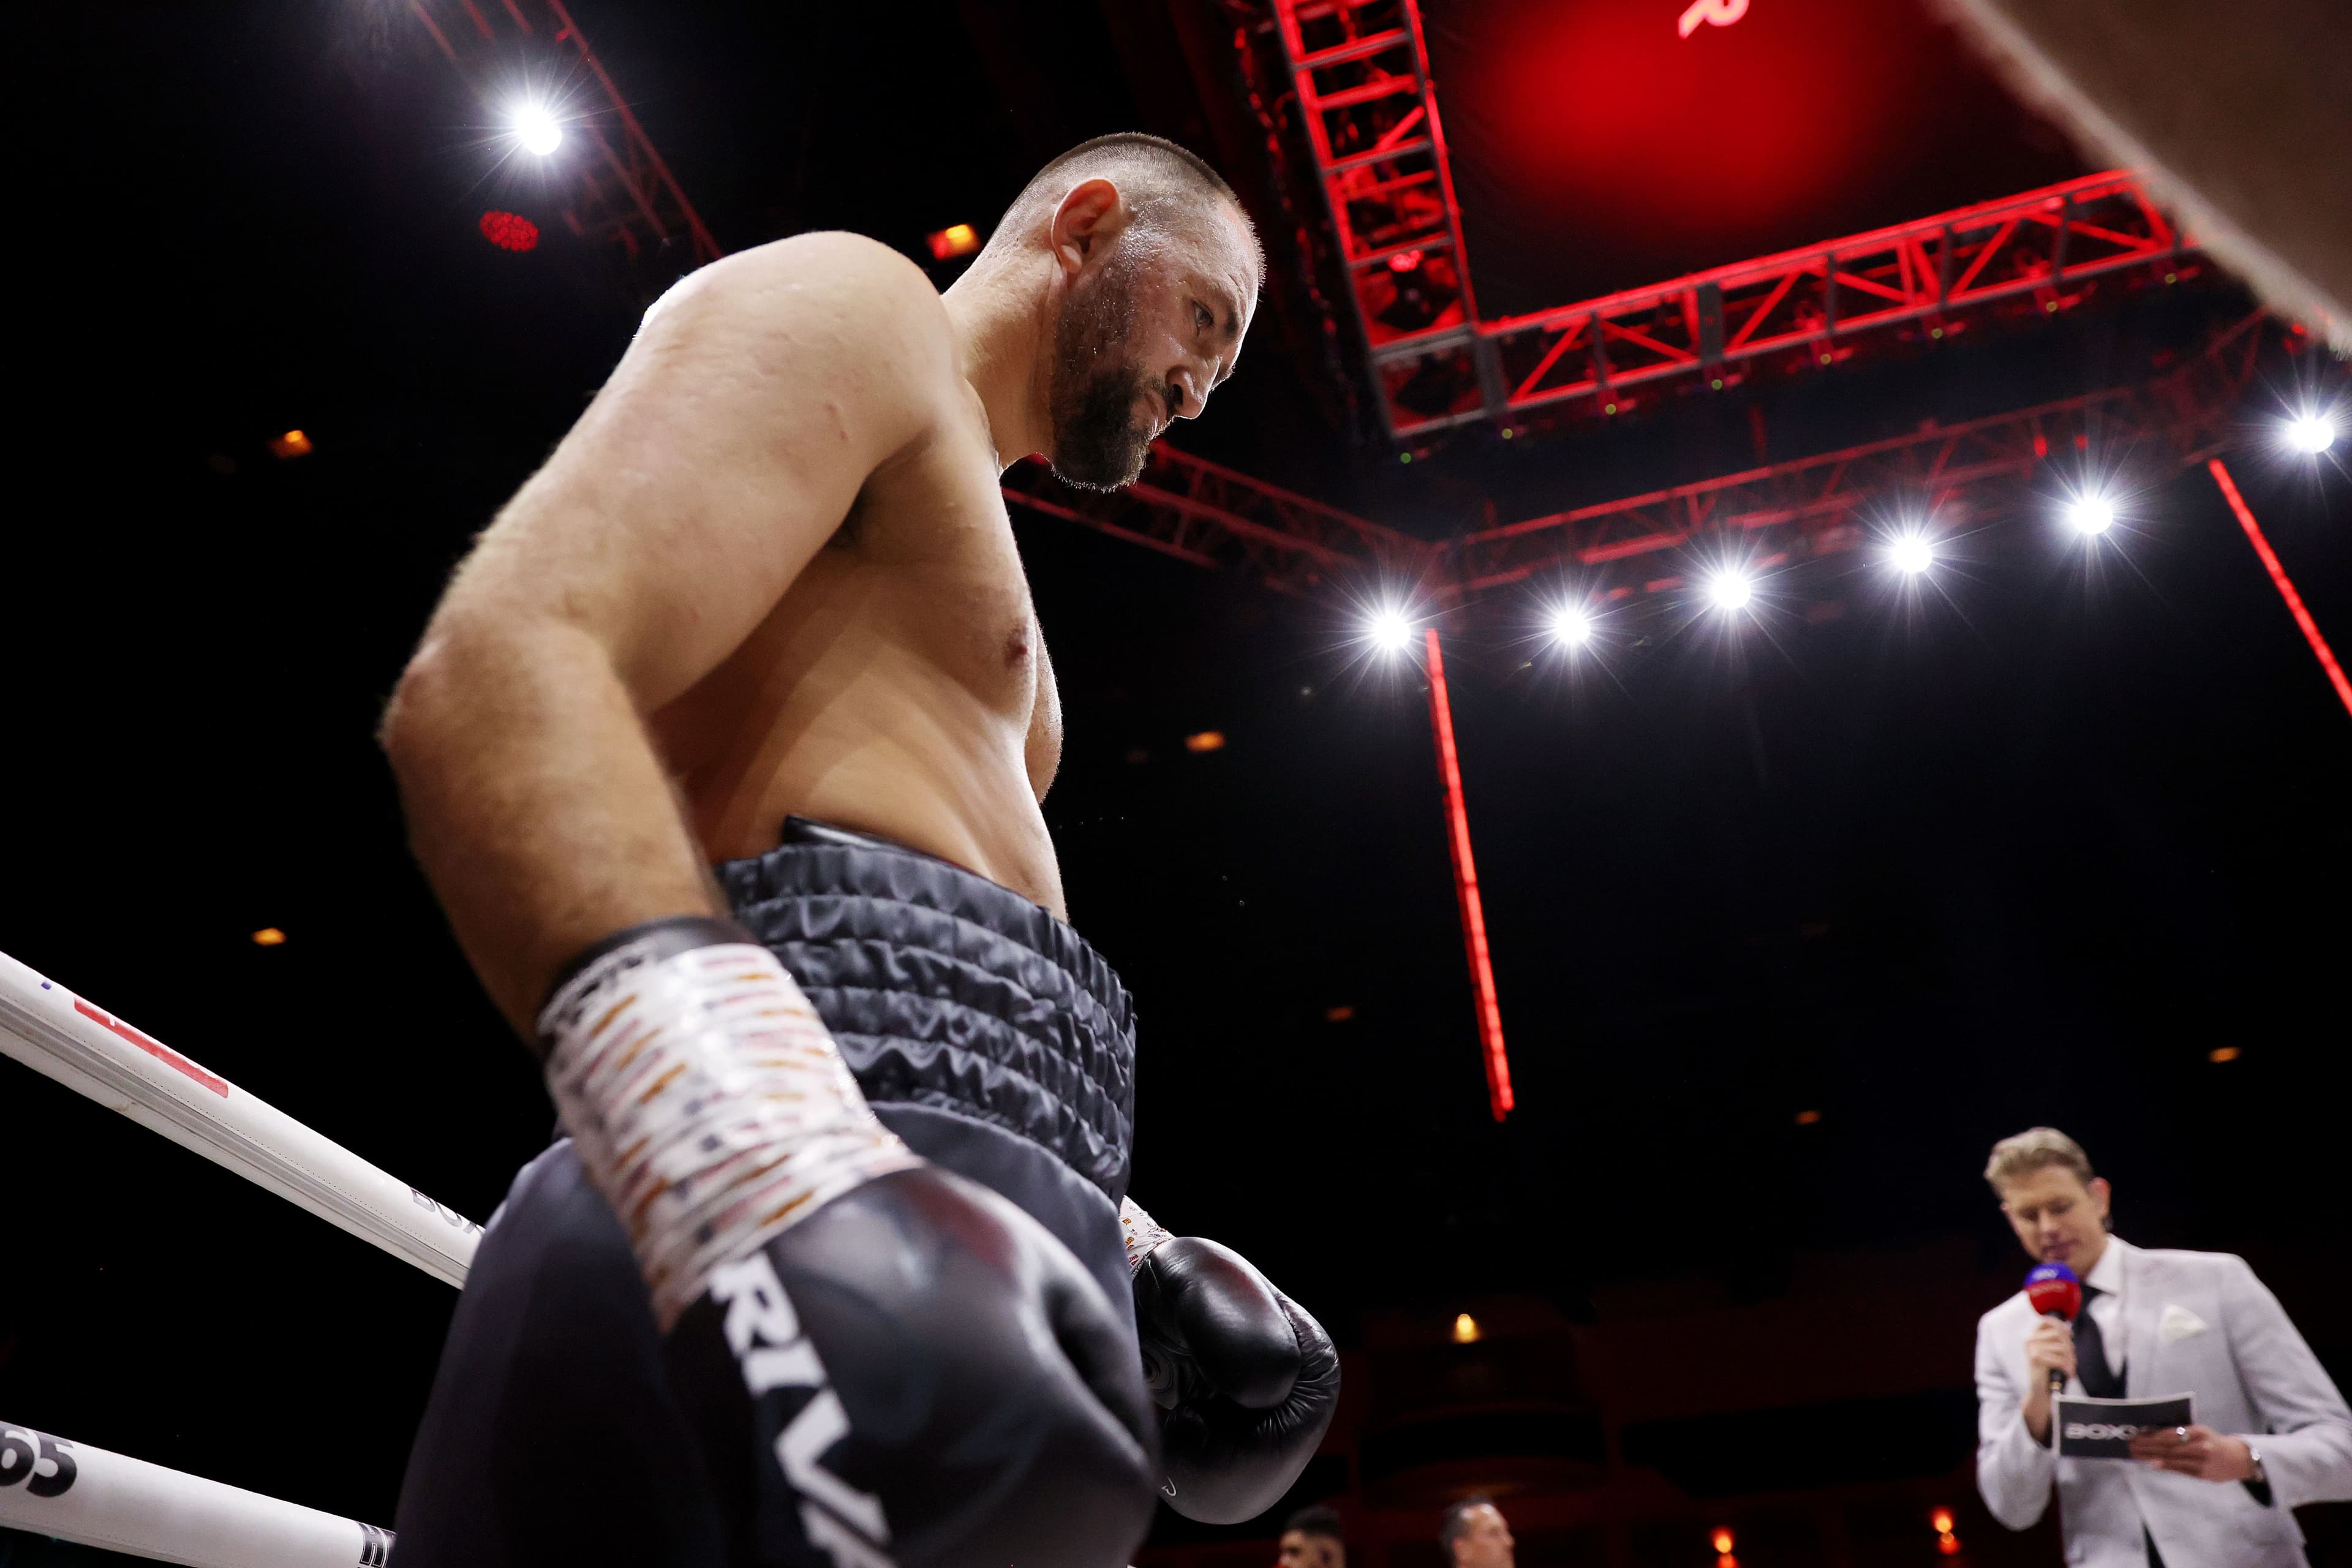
x=2053, y=1290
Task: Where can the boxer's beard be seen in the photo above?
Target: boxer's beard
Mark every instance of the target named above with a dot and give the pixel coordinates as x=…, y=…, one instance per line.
x=1098, y=444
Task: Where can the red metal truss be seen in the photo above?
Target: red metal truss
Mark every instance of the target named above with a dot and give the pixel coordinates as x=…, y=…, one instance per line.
x=2036, y=252
x=1822, y=503
x=1212, y=516
x=1371, y=119
x=2040, y=244
x=619, y=188
x=1361, y=74
x=1199, y=512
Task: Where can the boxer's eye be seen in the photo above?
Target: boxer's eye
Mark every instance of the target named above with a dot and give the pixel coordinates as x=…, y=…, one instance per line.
x=1203, y=317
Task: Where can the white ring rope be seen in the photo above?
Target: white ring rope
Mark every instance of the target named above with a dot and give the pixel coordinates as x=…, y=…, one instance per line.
x=91, y=1051
x=75, y=1492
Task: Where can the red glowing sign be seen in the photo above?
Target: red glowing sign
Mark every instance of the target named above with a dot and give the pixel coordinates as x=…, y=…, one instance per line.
x=1597, y=150
x=1715, y=13
x=510, y=231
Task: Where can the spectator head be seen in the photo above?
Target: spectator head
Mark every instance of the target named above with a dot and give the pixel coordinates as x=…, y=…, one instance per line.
x=2053, y=1202
x=1474, y=1535
x=1310, y=1539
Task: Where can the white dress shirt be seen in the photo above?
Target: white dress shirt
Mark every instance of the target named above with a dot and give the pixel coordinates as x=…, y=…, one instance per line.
x=2107, y=1308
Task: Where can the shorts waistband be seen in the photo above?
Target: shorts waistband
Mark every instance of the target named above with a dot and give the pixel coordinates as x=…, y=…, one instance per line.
x=946, y=990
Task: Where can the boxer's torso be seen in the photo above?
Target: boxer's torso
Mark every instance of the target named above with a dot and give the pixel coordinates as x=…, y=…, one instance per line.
x=900, y=686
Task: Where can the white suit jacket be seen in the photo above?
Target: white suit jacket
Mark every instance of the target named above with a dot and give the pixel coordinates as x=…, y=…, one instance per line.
x=2192, y=1322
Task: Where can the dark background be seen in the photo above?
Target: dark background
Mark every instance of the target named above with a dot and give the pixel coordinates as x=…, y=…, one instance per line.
x=2026, y=850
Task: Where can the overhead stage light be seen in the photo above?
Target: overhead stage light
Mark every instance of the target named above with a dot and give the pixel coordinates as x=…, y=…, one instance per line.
x=536, y=128
x=1730, y=590
x=2310, y=434
x=2092, y=514
x=1912, y=553
x=1390, y=631
x=1572, y=626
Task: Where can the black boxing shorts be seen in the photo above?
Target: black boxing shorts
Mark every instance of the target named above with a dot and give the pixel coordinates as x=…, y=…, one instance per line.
x=984, y=1031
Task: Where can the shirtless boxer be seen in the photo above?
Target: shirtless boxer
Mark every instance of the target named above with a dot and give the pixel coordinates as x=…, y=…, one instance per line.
x=836, y=1265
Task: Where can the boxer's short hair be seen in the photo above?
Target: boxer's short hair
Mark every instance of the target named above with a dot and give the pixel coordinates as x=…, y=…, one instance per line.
x=1156, y=177
x=2036, y=1149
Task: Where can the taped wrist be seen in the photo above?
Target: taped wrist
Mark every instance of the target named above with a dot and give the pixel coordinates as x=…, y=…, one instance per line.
x=705, y=1097
x=1140, y=1232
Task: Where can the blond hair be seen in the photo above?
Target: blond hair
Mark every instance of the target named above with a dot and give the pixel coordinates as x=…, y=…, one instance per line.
x=2036, y=1149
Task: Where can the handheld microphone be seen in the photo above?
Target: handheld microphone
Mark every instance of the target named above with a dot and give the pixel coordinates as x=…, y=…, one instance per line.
x=2054, y=1292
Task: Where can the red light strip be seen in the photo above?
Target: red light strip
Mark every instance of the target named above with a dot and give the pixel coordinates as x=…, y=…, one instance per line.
x=2278, y=576
x=1465, y=885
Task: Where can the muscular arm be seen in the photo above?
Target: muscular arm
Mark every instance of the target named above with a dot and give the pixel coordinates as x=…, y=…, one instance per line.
x=732, y=439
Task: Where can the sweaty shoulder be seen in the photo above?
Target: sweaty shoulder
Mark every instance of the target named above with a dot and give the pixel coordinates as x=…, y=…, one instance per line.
x=836, y=311
x=759, y=397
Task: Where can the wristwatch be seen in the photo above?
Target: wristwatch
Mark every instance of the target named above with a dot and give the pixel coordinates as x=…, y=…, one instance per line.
x=2258, y=1478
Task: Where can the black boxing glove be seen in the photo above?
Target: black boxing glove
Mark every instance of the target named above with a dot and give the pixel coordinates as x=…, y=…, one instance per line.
x=885, y=1365
x=1245, y=1381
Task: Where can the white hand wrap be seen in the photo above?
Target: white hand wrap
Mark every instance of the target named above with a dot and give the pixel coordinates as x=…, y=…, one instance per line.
x=1141, y=1233
x=708, y=1105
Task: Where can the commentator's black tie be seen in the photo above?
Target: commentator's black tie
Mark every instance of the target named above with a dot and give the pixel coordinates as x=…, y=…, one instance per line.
x=2100, y=1381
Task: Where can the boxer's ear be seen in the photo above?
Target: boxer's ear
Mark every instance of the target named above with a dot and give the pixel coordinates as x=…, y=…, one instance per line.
x=1091, y=214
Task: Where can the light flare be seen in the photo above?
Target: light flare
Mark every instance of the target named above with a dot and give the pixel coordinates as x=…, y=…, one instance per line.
x=2091, y=513
x=536, y=128
x=2310, y=434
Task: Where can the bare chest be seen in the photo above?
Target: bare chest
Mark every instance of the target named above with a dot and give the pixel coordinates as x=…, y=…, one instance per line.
x=935, y=531
x=902, y=682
